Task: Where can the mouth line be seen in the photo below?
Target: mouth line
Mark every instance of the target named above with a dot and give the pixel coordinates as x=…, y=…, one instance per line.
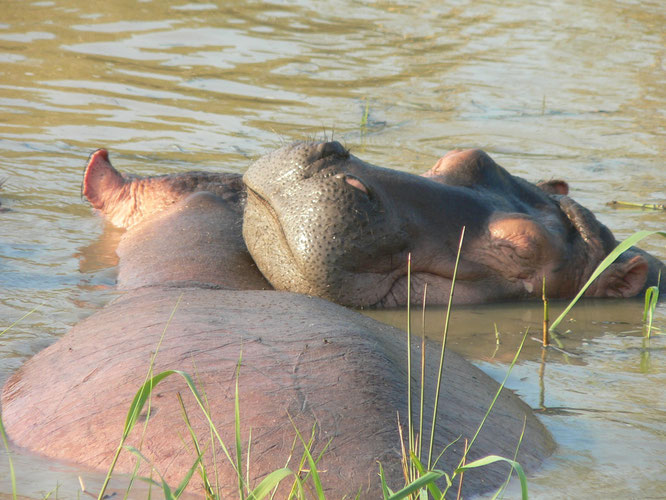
x=268, y=208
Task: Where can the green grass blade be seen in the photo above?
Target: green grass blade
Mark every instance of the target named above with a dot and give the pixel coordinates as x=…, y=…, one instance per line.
x=186, y=480
x=421, y=482
x=364, y=118
x=386, y=491
x=5, y=441
x=313, y=467
x=54, y=490
x=626, y=244
x=441, y=454
x=168, y=495
x=651, y=298
x=491, y=459
x=139, y=401
x=441, y=357
x=20, y=319
x=165, y=486
x=309, y=447
x=195, y=443
x=432, y=487
x=200, y=402
x=499, y=390
x=423, y=350
x=269, y=482
x=239, y=457
x=515, y=458
x=410, y=428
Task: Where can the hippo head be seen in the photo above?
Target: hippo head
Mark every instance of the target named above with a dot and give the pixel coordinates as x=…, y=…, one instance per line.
x=322, y=222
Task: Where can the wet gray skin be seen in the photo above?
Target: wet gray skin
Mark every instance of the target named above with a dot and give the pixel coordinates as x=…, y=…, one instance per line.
x=320, y=221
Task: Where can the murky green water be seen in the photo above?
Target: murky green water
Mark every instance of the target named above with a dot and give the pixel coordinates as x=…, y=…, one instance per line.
x=550, y=89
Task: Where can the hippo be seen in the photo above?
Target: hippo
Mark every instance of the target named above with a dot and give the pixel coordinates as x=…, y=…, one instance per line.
x=320, y=221
x=305, y=363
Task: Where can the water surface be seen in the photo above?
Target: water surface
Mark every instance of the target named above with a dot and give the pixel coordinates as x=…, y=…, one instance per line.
x=550, y=89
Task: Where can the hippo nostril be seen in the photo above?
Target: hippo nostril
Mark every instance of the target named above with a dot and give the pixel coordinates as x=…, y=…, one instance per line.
x=331, y=148
x=354, y=181
x=329, y=152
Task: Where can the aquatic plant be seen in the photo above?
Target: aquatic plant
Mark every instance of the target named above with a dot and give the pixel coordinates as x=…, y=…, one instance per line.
x=651, y=299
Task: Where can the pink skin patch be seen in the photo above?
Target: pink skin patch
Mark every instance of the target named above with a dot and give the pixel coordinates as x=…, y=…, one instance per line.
x=353, y=181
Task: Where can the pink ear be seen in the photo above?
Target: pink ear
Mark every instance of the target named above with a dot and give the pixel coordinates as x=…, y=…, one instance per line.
x=623, y=279
x=100, y=179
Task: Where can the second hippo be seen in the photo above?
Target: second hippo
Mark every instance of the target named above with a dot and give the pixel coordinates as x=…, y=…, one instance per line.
x=320, y=221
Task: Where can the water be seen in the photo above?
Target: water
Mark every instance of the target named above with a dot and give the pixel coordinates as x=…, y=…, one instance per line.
x=550, y=89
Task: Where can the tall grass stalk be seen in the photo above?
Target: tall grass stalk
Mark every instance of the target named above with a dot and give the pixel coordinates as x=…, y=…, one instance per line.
x=441, y=357
x=364, y=118
x=545, y=314
x=168, y=494
x=313, y=465
x=462, y=474
x=239, y=457
x=5, y=441
x=515, y=459
x=624, y=245
x=410, y=428
x=423, y=348
x=195, y=442
x=492, y=403
x=651, y=299
x=20, y=319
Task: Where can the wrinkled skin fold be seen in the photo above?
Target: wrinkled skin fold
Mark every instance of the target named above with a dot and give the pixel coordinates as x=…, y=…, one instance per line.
x=320, y=221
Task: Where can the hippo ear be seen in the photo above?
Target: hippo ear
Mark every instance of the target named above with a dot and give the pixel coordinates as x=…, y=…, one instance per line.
x=100, y=180
x=554, y=186
x=623, y=279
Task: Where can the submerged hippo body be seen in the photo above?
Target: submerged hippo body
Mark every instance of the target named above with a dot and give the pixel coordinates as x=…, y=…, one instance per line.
x=320, y=221
x=303, y=359
x=306, y=363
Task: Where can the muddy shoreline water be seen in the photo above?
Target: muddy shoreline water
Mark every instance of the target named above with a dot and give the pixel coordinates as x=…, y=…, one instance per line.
x=552, y=89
